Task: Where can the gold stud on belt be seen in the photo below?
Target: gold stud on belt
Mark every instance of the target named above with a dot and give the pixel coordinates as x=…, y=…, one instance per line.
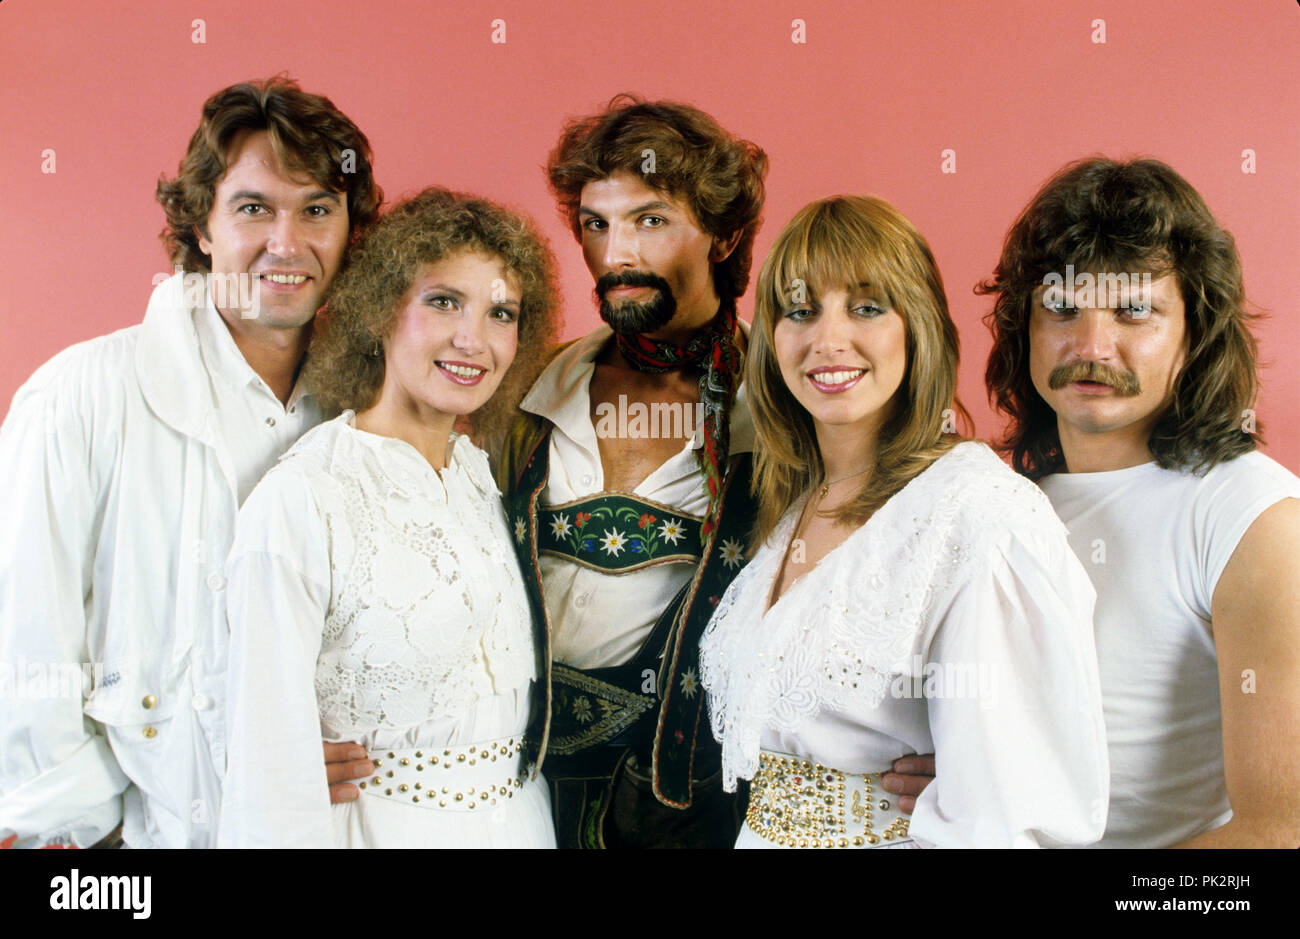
x=467, y=788
x=800, y=804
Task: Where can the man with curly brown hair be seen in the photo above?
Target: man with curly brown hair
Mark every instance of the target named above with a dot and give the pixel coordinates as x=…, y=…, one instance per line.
x=126, y=459
x=628, y=472
x=1123, y=357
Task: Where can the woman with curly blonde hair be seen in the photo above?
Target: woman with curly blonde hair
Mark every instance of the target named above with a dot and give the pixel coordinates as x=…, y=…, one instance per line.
x=909, y=593
x=373, y=592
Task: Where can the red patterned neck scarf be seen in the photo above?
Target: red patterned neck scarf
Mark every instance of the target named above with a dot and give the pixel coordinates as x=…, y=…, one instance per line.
x=713, y=350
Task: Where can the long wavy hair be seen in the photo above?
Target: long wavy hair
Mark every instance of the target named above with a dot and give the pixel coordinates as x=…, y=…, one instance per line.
x=719, y=176
x=345, y=362
x=1139, y=217
x=832, y=243
x=308, y=134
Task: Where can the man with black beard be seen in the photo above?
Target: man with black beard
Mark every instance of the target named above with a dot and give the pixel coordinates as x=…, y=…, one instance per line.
x=627, y=479
x=629, y=530
x=633, y=318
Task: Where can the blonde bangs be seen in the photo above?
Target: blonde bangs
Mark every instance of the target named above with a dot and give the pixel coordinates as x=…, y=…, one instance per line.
x=831, y=244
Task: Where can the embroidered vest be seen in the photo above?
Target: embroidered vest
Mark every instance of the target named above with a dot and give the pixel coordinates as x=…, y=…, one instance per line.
x=655, y=701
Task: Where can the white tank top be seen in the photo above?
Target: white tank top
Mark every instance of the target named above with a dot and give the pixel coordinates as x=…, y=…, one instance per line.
x=1154, y=543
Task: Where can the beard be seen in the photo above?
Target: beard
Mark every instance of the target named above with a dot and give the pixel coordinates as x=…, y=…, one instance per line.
x=630, y=318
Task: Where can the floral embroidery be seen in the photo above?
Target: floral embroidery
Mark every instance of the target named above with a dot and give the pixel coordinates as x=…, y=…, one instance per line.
x=582, y=709
x=613, y=542
x=671, y=530
x=521, y=528
x=627, y=528
x=690, y=683
x=560, y=527
x=857, y=616
x=732, y=553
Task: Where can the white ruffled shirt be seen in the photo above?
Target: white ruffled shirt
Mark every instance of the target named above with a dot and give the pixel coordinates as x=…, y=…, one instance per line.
x=372, y=599
x=956, y=621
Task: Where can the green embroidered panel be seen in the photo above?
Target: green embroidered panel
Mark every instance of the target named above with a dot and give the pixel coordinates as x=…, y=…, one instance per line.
x=588, y=712
x=616, y=533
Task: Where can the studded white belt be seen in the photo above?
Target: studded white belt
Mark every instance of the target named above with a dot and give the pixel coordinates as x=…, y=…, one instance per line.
x=797, y=803
x=458, y=779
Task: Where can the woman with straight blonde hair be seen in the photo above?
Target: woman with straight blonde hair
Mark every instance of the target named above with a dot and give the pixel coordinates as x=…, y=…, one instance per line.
x=908, y=592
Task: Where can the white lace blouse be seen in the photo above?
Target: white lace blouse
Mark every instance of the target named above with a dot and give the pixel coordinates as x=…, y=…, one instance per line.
x=370, y=598
x=956, y=621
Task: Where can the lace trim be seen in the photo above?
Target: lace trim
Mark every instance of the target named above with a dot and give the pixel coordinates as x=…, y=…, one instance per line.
x=838, y=635
x=428, y=611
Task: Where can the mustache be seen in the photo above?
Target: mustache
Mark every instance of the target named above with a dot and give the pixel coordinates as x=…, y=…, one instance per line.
x=608, y=281
x=1125, y=383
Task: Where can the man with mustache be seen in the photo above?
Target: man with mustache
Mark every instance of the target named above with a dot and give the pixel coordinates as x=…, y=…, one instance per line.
x=627, y=476
x=125, y=460
x=629, y=530
x=1130, y=390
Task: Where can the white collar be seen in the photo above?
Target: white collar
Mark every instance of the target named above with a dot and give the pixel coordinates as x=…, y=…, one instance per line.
x=462, y=456
x=562, y=394
x=169, y=361
x=219, y=348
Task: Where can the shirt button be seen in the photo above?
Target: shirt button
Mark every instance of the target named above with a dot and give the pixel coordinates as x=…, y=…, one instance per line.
x=148, y=702
x=150, y=732
x=581, y=600
x=586, y=479
x=201, y=702
x=216, y=581
x=270, y=422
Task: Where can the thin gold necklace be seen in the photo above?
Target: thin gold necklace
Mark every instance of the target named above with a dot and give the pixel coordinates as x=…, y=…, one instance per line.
x=803, y=520
x=826, y=486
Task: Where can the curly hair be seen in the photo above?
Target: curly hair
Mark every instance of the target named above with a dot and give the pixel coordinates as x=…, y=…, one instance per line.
x=309, y=136
x=719, y=176
x=1139, y=216
x=831, y=243
x=345, y=362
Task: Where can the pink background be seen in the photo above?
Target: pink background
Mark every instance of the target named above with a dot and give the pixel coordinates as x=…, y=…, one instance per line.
x=866, y=105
